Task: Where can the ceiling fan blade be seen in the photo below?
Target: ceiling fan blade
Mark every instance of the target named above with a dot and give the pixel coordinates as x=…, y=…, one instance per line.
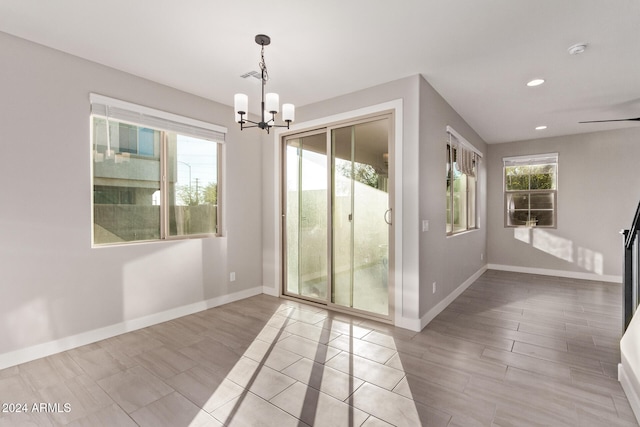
x=636, y=119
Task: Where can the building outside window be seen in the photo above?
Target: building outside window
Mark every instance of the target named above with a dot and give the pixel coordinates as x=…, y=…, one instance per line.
x=153, y=179
x=462, y=176
x=531, y=190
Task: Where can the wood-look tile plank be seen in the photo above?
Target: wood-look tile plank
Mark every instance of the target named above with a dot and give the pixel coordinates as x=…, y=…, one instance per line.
x=315, y=408
x=202, y=351
x=597, y=383
x=551, y=355
x=559, y=389
x=48, y=371
x=134, y=388
x=396, y=409
x=516, y=414
x=308, y=348
x=467, y=410
x=471, y=320
x=362, y=348
x=165, y=362
x=132, y=343
x=436, y=373
x=375, y=422
x=14, y=389
x=528, y=363
x=343, y=325
x=429, y=337
x=82, y=395
x=559, y=333
x=313, y=332
x=206, y=389
x=623, y=408
x=323, y=378
x=259, y=379
x=109, y=416
x=174, y=334
x=173, y=410
x=367, y=370
x=485, y=338
x=250, y=410
x=593, y=416
x=268, y=354
x=510, y=396
x=603, y=354
x=100, y=362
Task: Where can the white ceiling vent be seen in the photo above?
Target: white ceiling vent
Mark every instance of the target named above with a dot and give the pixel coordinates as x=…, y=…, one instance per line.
x=255, y=74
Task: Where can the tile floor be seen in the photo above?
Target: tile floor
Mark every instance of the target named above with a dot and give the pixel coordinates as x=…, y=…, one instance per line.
x=512, y=350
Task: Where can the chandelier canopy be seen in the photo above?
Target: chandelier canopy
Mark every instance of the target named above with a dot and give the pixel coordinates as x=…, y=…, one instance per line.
x=270, y=105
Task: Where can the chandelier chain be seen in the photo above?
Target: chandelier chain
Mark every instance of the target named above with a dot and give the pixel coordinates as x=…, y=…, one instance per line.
x=263, y=66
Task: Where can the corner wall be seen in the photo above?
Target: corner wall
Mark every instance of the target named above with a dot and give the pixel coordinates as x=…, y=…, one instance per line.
x=54, y=286
x=453, y=262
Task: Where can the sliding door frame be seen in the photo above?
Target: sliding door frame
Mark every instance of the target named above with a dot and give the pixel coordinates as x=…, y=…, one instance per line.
x=283, y=210
x=390, y=115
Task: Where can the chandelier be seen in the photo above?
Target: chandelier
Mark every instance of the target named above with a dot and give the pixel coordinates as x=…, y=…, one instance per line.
x=270, y=102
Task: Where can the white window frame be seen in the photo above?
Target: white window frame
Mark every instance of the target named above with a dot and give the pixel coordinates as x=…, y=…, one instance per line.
x=531, y=160
x=455, y=141
x=141, y=116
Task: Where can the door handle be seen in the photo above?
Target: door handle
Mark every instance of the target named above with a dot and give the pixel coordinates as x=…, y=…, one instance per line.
x=387, y=216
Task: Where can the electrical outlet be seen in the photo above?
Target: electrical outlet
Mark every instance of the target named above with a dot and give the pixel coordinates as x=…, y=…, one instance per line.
x=481, y=256
x=434, y=287
x=232, y=276
x=425, y=225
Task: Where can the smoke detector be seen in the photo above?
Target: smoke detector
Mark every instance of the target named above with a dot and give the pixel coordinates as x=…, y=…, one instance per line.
x=577, y=49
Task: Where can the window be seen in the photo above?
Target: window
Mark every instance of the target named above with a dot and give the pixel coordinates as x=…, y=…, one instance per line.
x=154, y=175
x=530, y=190
x=462, y=175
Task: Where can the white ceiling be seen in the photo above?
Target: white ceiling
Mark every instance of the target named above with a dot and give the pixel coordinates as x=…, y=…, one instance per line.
x=478, y=54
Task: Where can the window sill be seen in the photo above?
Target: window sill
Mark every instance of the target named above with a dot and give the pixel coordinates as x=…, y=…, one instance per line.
x=462, y=233
x=525, y=227
x=155, y=241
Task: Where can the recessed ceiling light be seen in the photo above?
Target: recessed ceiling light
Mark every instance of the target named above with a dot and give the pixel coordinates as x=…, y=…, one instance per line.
x=577, y=49
x=541, y=127
x=535, y=82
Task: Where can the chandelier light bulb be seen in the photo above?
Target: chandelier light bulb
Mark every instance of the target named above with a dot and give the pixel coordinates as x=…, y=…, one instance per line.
x=241, y=103
x=272, y=102
x=288, y=112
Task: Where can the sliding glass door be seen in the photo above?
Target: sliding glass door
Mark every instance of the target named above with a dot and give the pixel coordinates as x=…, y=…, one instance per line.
x=306, y=253
x=360, y=258
x=337, y=216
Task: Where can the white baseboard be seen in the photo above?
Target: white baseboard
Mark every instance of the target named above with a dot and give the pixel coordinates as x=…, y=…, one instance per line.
x=268, y=290
x=557, y=273
x=431, y=314
x=52, y=347
x=629, y=389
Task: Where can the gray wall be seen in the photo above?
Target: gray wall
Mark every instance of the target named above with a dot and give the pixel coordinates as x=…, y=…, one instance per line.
x=429, y=256
x=448, y=261
x=598, y=191
x=406, y=89
x=52, y=283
